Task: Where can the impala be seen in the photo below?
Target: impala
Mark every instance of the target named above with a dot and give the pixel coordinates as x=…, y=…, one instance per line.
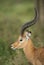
x=33, y=55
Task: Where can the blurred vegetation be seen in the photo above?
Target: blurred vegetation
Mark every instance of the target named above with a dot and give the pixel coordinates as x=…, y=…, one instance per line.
x=14, y=13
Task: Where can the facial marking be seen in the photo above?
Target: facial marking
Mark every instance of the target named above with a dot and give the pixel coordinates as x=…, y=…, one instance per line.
x=21, y=40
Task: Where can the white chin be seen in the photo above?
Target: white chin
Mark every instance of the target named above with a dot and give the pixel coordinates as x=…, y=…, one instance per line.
x=13, y=48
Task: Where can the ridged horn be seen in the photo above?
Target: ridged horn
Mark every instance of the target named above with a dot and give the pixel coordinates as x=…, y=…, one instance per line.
x=30, y=23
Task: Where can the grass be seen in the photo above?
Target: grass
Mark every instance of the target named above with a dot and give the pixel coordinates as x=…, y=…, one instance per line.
x=12, y=16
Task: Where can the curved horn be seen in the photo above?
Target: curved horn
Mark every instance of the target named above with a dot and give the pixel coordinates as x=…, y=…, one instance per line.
x=30, y=23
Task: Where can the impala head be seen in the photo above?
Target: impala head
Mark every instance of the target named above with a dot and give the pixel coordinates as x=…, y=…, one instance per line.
x=25, y=35
x=22, y=41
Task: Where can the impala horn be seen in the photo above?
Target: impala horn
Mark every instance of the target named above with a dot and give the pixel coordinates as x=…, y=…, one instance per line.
x=30, y=23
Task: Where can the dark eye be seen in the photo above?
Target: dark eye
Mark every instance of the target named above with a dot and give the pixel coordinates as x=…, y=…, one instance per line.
x=20, y=39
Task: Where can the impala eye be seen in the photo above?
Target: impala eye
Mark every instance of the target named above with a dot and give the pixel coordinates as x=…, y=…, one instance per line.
x=21, y=39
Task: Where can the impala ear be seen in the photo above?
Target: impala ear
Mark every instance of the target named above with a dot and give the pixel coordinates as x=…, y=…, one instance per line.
x=28, y=34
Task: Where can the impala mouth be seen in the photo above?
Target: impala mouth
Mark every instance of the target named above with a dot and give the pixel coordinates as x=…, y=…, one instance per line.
x=13, y=48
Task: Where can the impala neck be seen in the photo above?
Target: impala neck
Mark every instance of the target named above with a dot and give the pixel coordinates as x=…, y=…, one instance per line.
x=29, y=47
x=29, y=50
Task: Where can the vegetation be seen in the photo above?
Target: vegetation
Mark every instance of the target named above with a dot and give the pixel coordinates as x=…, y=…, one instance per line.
x=14, y=13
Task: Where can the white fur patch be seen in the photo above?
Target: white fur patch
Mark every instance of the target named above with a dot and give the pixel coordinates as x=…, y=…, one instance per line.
x=28, y=36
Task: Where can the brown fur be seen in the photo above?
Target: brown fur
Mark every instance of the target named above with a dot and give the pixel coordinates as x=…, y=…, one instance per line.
x=34, y=55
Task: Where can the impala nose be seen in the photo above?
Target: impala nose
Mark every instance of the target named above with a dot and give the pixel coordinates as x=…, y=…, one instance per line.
x=12, y=47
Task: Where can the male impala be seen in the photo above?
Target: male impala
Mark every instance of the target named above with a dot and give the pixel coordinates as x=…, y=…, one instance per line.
x=34, y=55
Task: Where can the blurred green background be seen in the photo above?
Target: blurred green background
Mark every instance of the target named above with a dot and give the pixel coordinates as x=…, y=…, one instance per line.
x=14, y=13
